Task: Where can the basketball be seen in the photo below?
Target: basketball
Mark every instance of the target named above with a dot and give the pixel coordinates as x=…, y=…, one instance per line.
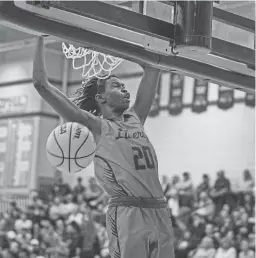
x=70, y=147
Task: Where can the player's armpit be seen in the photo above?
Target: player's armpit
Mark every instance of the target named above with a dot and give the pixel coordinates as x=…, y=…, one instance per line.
x=146, y=92
x=67, y=109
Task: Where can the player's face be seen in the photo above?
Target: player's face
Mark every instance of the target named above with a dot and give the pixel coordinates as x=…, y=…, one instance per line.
x=116, y=96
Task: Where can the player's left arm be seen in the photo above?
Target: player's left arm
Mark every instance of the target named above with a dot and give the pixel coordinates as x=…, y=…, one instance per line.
x=146, y=92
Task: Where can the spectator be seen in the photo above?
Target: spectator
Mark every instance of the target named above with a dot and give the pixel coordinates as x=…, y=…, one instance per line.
x=204, y=186
x=166, y=186
x=230, y=235
x=36, y=230
x=226, y=250
x=205, y=206
x=245, y=187
x=242, y=223
x=50, y=237
x=222, y=218
x=69, y=207
x=248, y=203
x=23, y=253
x=205, y=250
x=251, y=240
x=103, y=239
x=235, y=215
x=245, y=251
x=173, y=202
x=56, y=210
x=186, y=191
x=196, y=226
x=5, y=226
x=56, y=191
x=247, y=184
x=226, y=226
x=34, y=196
x=76, y=216
x=94, y=193
x=24, y=237
x=175, y=182
x=73, y=239
x=13, y=250
x=209, y=232
x=22, y=223
x=60, y=228
x=64, y=188
x=221, y=190
x=184, y=246
x=90, y=242
x=14, y=209
x=79, y=188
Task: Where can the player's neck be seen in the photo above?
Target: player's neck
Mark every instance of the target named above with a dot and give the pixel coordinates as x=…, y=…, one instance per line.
x=110, y=114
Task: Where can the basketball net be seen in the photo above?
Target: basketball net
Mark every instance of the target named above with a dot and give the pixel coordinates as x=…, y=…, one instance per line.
x=94, y=64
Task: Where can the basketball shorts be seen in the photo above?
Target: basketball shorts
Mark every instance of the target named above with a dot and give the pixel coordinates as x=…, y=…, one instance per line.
x=139, y=228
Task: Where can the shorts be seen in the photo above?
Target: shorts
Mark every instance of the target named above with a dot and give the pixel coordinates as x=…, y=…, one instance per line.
x=140, y=231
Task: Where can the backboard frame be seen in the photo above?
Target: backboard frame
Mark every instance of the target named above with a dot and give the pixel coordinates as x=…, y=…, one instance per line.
x=11, y=15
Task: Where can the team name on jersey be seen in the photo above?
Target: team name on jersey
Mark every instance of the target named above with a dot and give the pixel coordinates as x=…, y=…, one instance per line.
x=124, y=134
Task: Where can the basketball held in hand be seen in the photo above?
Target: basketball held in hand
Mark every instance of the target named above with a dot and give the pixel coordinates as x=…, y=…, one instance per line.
x=70, y=147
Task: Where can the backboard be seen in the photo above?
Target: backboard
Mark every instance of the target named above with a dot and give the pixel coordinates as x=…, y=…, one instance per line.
x=143, y=32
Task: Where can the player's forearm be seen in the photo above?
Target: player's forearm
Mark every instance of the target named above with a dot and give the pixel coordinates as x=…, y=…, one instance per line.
x=57, y=100
x=39, y=70
x=146, y=92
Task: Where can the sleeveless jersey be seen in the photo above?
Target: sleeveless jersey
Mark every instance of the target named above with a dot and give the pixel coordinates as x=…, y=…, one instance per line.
x=125, y=163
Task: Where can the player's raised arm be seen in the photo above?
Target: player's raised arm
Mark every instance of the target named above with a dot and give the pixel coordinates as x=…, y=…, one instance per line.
x=58, y=101
x=146, y=92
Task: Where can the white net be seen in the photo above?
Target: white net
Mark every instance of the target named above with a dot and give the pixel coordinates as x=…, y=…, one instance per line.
x=93, y=64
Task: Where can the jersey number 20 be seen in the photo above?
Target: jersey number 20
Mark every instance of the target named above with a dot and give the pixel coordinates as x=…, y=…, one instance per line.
x=143, y=158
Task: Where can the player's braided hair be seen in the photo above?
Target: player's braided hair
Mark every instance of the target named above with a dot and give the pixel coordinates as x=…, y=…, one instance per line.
x=86, y=95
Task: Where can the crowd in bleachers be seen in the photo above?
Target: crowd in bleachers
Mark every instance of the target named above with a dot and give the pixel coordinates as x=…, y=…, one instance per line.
x=209, y=220
x=63, y=223
x=212, y=220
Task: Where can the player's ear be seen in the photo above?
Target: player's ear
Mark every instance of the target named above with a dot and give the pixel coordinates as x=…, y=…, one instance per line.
x=100, y=99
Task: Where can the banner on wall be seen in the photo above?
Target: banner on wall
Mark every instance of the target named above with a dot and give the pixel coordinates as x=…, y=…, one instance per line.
x=3, y=149
x=199, y=103
x=200, y=96
x=175, y=105
x=16, y=151
x=155, y=108
x=250, y=99
x=15, y=104
x=225, y=98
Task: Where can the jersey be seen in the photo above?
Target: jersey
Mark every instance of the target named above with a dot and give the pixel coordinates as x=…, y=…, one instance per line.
x=125, y=162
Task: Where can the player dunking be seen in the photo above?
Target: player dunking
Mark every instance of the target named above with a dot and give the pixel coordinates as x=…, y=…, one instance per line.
x=138, y=221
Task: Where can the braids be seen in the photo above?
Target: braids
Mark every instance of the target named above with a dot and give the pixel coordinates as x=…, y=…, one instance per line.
x=85, y=99
x=86, y=96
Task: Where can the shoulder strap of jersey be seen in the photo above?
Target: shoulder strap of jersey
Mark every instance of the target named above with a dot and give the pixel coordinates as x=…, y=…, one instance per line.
x=132, y=118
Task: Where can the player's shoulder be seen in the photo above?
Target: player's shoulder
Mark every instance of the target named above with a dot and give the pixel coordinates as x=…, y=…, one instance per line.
x=131, y=115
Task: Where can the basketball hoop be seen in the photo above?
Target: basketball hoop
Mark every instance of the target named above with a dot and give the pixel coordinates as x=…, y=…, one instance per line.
x=94, y=63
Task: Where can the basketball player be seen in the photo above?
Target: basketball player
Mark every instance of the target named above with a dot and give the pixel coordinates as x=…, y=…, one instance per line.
x=138, y=221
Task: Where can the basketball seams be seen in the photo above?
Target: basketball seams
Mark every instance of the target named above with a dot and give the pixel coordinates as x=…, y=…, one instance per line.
x=70, y=138
x=82, y=143
x=82, y=157
x=54, y=135
x=75, y=158
x=86, y=156
x=67, y=150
